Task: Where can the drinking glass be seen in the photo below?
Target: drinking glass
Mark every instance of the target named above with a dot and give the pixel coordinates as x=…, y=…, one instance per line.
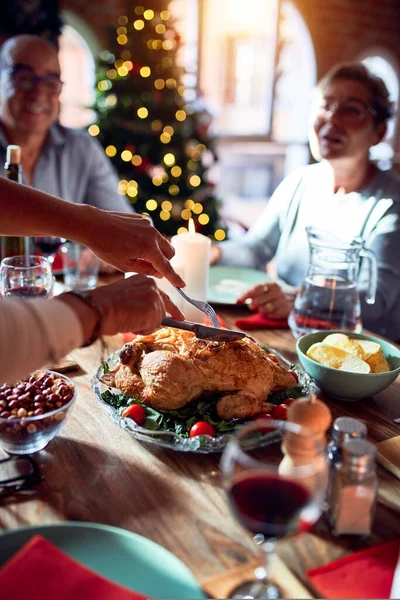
x=81, y=267
x=26, y=277
x=48, y=246
x=270, y=495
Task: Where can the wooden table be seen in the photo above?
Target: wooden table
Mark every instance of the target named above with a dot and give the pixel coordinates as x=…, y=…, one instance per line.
x=96, y=472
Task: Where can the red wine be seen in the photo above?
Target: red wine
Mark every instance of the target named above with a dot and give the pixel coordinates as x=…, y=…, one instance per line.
x=268, y=504
x=27, y=291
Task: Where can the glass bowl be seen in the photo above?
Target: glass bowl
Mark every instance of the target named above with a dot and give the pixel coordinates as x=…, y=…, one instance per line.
x=32, y=432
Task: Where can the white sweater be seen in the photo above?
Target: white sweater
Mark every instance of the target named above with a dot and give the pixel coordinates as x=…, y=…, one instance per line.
x=304, y=198
x=34, y=333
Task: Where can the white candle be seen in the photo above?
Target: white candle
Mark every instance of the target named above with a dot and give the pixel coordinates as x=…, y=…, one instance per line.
x=192, y=254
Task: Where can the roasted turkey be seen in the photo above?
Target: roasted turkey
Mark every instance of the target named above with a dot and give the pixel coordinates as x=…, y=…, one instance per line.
x=172, y=367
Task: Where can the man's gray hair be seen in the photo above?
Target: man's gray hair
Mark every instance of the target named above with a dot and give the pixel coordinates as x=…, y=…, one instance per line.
x=8, y=45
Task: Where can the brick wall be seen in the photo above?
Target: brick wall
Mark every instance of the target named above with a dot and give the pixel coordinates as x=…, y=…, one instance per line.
x=342, y=29
x=100, y=16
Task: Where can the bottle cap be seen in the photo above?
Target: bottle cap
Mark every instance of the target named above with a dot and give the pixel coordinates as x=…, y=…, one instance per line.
x=347, y=428
x=13, y=155
x=359, y=455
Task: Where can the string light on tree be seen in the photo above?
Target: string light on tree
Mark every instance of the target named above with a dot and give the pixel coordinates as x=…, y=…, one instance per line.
x=155, y=139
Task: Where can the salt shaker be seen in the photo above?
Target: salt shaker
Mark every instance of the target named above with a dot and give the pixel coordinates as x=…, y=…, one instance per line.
x=353, y=491
x=343, y=430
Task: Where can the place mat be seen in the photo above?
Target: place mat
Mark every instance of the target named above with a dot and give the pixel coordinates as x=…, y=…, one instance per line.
x=364, y=574
x=388, y=455
x=222, y=586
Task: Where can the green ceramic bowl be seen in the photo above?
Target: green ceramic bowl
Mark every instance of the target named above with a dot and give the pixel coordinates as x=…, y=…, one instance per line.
x=343, y=384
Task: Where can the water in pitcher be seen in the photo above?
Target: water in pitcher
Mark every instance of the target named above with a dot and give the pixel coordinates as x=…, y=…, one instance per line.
x=328, y=298
x=326, y=303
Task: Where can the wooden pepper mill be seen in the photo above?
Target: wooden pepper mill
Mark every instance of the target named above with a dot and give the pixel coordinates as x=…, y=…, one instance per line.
x=315, y=416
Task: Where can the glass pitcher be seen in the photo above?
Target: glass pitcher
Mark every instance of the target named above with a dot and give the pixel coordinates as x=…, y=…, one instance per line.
x=328, y=297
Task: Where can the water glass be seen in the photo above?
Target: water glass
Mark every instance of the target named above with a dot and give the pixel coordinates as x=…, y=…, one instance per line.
x=81, y=267
x=26, y=277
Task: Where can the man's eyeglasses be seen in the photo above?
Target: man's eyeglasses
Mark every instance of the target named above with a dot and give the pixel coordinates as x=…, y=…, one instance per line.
x=25, y=81
x=350, y=112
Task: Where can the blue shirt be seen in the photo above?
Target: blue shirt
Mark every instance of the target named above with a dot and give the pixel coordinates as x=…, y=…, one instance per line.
x=72, y=165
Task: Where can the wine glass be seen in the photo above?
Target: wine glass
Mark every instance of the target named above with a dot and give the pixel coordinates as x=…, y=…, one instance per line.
x=26, y=277
x=48, y=246
x=269, y=494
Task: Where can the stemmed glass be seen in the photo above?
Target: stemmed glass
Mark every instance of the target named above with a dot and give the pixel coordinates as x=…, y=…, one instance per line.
x=26, y=277
x=48, y=246
x=270, y=495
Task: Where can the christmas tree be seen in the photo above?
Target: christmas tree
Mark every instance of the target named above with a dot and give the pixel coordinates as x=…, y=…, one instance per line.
x=159, y=143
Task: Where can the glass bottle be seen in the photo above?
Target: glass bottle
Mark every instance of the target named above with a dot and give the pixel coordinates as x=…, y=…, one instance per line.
x=13, y=245
x=354, y=487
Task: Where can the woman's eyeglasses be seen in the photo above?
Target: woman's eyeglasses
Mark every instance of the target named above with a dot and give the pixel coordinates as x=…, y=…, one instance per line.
x=25, y=81
x=350, y=112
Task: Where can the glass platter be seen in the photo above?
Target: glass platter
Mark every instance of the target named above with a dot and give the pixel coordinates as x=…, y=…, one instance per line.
x=203, y=444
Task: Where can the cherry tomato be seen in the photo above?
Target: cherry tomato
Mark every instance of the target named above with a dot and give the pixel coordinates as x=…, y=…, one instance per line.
x=289, y=401
x=280, y=412
x=263, y=417
x=294, y=375
x=135, y=412
x=202, y=428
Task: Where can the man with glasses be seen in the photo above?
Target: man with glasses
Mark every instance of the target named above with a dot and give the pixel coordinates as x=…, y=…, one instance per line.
x=61, y=161
x=344, y=194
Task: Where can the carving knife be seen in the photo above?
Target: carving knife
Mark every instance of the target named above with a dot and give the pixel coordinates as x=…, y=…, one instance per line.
x=204, y=332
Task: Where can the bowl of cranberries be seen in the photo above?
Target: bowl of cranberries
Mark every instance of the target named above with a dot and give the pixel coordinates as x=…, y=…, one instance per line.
x=33, y=410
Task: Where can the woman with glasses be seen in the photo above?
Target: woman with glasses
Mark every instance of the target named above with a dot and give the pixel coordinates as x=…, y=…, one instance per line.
x=344, y=194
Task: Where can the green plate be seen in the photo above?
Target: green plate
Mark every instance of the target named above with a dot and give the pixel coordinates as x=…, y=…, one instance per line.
x=124, y=557
x=226, y=284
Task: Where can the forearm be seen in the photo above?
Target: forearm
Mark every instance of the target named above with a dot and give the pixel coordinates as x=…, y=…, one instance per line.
x=29, y=212
x=34, y=333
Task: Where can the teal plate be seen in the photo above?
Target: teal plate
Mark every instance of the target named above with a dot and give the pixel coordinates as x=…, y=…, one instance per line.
x=226, y=284
x=123, y=557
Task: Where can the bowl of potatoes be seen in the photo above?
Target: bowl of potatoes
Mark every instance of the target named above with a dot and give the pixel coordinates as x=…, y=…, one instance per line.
x=349, y=366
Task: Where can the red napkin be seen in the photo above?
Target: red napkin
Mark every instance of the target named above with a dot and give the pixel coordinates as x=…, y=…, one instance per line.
x=40, y=571
x=364, y=574
x=259, y=321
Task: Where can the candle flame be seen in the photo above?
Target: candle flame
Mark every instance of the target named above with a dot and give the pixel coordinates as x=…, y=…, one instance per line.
x=191, y=226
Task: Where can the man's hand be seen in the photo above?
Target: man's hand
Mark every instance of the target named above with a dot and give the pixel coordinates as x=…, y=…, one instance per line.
x=134, y=304
x=130, y=243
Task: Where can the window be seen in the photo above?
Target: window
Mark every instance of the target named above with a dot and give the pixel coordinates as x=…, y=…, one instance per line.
x=78, y=74
x=380, y=66
x=297, y=75
x=186, y=22
x=238, y=45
